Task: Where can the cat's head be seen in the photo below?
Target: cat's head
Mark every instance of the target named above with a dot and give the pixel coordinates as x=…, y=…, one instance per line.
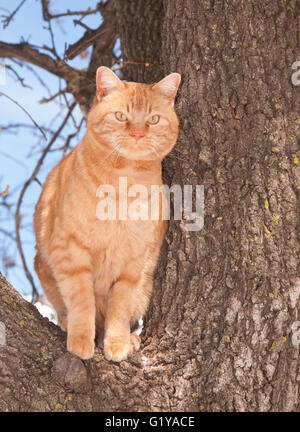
x=136, y=121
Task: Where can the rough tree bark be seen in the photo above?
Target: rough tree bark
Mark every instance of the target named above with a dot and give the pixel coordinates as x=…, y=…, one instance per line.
x=218, y=335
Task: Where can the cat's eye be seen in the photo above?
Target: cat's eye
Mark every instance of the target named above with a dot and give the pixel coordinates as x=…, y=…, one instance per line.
x=120, y=116
x=154, y=119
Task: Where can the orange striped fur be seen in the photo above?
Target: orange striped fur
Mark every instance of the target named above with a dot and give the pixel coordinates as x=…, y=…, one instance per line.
x=98, y=274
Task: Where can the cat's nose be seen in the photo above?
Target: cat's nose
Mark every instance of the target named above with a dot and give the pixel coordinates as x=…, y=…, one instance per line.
x=137, y=134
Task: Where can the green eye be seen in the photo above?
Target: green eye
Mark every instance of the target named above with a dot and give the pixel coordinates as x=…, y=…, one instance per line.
x=154, y=119
x=120, y=116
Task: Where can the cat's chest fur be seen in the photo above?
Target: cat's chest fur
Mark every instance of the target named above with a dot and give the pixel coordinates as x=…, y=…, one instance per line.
x=125, y=242
x=113, y=244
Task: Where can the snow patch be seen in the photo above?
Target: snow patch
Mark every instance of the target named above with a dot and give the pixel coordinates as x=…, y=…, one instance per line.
x=44, y=307
x=144, y=360
x=139, y=330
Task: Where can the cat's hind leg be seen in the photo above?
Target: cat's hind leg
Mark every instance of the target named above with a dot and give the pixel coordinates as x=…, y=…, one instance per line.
x=72, y=269
x=51, y=290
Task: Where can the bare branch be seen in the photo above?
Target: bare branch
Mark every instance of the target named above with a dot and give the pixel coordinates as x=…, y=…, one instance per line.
x=48, y=16
x=7, y=234
x=20, y=79
x=102, y=35
x=78, y=22
x=13, y=128
x=7, y=19
x=76, y=79
x=37, y=76
x=26, y=112
x=9, y=156
x=51, y=98
x=24, y=51
x=53, y=49
x=71, y=136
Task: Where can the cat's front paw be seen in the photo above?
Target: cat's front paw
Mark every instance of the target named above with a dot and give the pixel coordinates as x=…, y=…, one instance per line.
x=116, y=349
x=80, y=345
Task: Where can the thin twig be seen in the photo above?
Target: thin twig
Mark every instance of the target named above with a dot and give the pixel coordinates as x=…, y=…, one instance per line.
x=8, y=156
x=26, y=112
x=71, y=136
x=51, y=98
x=41, y=81
x=21, y=80
x=77, y=22
x=8, y=19
x=53, y=49
x=7, y=234
x=103, y=35
x=68, y=105
x=48, y=16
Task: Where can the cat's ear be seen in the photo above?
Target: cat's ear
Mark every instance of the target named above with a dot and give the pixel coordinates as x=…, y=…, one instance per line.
x=168, y=86
x=106, y=82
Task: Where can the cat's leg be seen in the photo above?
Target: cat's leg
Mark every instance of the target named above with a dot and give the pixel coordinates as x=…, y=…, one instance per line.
x=73, y=273
x=127, y=300
x=51, y=290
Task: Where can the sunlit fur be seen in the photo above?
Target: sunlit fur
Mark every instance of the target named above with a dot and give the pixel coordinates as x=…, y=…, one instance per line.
x=98, y=274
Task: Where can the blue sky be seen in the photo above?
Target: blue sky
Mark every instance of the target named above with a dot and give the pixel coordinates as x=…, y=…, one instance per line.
x=20, y=151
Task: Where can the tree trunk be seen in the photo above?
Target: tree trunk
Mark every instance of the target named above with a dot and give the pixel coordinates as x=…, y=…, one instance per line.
x=221, y=330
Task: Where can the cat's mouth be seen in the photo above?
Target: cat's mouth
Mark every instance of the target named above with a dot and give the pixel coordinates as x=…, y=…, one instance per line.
x=139, y=150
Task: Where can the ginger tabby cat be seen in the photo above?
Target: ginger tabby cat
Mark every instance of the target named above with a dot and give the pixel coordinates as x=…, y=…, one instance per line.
x=98, y=273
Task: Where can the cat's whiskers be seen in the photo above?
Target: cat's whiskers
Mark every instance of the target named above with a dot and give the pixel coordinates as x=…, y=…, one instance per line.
x=117, y=147
x=118, y=155
x=154, y=151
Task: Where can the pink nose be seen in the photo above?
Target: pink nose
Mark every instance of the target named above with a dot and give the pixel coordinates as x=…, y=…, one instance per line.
x=137, y=134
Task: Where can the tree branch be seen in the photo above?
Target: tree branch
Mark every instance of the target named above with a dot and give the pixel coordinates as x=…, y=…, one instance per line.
x=102, y=35
x=24, y=51
x=7, y=19
x=48, y=15
x=77, y=81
